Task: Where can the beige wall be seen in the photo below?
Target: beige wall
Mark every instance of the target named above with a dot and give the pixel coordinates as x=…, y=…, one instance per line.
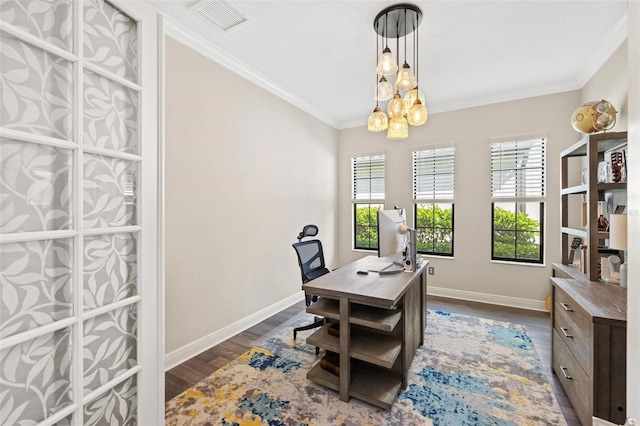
x=610, y=83
x=245, y=171
x=472, y=130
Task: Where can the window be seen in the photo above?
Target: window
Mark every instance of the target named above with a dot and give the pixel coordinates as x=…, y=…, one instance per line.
x=367, y=199
x=433, y=186
x=518, y=195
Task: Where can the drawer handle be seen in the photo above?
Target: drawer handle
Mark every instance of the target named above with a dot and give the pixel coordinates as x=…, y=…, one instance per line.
x=566, y=307
x=564, y=372
x=565, y=331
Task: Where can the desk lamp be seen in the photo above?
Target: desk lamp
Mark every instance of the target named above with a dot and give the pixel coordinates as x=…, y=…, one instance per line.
x=618, y=241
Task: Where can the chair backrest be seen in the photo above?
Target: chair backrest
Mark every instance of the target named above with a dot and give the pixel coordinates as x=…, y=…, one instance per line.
x=310, y=259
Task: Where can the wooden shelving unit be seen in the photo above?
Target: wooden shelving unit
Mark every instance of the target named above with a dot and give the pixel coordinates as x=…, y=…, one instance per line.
x=381, y=321
x=591, y=147
x=374, y=341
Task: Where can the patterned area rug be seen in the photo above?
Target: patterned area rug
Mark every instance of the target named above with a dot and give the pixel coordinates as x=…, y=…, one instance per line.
x=471, y=371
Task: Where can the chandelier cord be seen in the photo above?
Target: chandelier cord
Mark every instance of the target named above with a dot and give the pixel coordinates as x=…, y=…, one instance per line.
x=376, y=86
x=397, y=46
x=416, y=54
x=405, y=37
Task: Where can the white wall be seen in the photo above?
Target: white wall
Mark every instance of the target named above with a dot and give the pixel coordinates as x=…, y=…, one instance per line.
x=472, y=130
x=633, y=292
x=245, y=171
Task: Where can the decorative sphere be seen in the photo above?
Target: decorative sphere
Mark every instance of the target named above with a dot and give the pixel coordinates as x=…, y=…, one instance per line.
x=594, y=116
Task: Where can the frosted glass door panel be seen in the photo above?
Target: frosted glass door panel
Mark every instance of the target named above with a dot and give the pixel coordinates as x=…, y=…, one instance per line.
x=35, y=187
x=109, y=192
x=115, y=407
x=37, y=90
x=51, y=21
x=37, y=374
x=110, y=346
x=111, y=39
x=110, y=114
x=35, y=284
x=110, y=269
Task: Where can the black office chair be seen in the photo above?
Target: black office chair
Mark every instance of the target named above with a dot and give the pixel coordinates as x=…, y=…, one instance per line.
x=311, y=262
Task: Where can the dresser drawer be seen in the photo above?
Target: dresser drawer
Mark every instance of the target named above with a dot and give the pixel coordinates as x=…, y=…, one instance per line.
x=573, y=327
x=572, y=377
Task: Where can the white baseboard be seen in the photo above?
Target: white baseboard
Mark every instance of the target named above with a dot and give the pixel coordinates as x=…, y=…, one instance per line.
x=493, y=299
x=186, y=352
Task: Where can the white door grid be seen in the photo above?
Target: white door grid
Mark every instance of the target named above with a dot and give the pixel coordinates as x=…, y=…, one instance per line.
x=71, y=217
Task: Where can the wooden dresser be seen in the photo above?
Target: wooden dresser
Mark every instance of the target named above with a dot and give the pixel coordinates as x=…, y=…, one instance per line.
x=589, y=344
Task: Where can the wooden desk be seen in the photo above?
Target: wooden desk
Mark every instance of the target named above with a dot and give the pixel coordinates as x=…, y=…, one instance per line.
x=382, y=323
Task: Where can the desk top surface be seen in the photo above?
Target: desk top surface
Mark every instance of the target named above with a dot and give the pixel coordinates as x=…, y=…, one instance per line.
x=384, y=290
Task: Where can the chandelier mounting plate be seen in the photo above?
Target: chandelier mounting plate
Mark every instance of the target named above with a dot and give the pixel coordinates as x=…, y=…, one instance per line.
x=390, y=22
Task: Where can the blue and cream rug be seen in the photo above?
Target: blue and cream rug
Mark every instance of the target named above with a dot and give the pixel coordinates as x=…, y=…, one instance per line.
x=470, y=371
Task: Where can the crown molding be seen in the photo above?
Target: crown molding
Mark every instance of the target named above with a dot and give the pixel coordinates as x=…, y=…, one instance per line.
x=603, y=51
x=600, y=55
x=207, y=49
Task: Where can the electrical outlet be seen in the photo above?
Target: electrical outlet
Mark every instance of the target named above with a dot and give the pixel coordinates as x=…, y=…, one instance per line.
x=432, y=270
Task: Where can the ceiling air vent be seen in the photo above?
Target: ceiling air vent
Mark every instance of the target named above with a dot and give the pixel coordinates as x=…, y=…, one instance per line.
x=222, y=13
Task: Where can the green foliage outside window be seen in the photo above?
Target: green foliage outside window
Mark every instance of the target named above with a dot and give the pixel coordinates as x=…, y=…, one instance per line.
x=366, y=225
x=434, y=228
x=516, y=236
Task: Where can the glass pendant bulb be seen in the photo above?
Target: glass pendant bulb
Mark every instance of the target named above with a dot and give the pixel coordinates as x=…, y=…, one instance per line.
x=384, y=90
x=386, y=64
x=377, y=121
x=398, y=128
x=406, y=80
x=417, y=114
x=396, y=106
x=411, y=96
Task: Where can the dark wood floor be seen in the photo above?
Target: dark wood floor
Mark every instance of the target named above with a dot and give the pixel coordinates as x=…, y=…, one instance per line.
x=192, y=371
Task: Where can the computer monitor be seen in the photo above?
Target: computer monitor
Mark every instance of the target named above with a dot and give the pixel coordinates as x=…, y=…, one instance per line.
x=391, y=237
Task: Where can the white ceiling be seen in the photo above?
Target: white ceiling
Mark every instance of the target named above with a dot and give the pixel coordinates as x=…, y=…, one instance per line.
x=320, y=55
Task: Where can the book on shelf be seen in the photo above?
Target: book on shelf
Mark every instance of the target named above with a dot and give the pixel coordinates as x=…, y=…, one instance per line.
x=331, y=362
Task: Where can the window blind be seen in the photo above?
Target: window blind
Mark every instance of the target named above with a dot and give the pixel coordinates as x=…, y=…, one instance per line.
x=368, y=177
x=434, y=174
x=518, y=169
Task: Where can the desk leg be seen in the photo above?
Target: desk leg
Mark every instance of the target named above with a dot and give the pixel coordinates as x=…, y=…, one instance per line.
x=345, y=338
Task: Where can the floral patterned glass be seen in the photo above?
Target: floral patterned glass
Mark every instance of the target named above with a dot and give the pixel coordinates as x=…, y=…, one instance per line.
x=38, y=193
x=35, y=187
x=109, y=192
x=110, y=114
x=37, y=90
x=110, y=39
x=117, y=406
x=110, y=269
x=49, y=20
x=35, y=285
x=110, y=346
x=37, y=375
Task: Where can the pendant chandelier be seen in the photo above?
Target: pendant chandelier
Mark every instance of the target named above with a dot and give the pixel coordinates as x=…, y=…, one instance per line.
x=406, y=102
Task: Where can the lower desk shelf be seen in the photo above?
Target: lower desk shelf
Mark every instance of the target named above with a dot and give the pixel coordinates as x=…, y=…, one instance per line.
x=375, y=385
x=372, y=347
